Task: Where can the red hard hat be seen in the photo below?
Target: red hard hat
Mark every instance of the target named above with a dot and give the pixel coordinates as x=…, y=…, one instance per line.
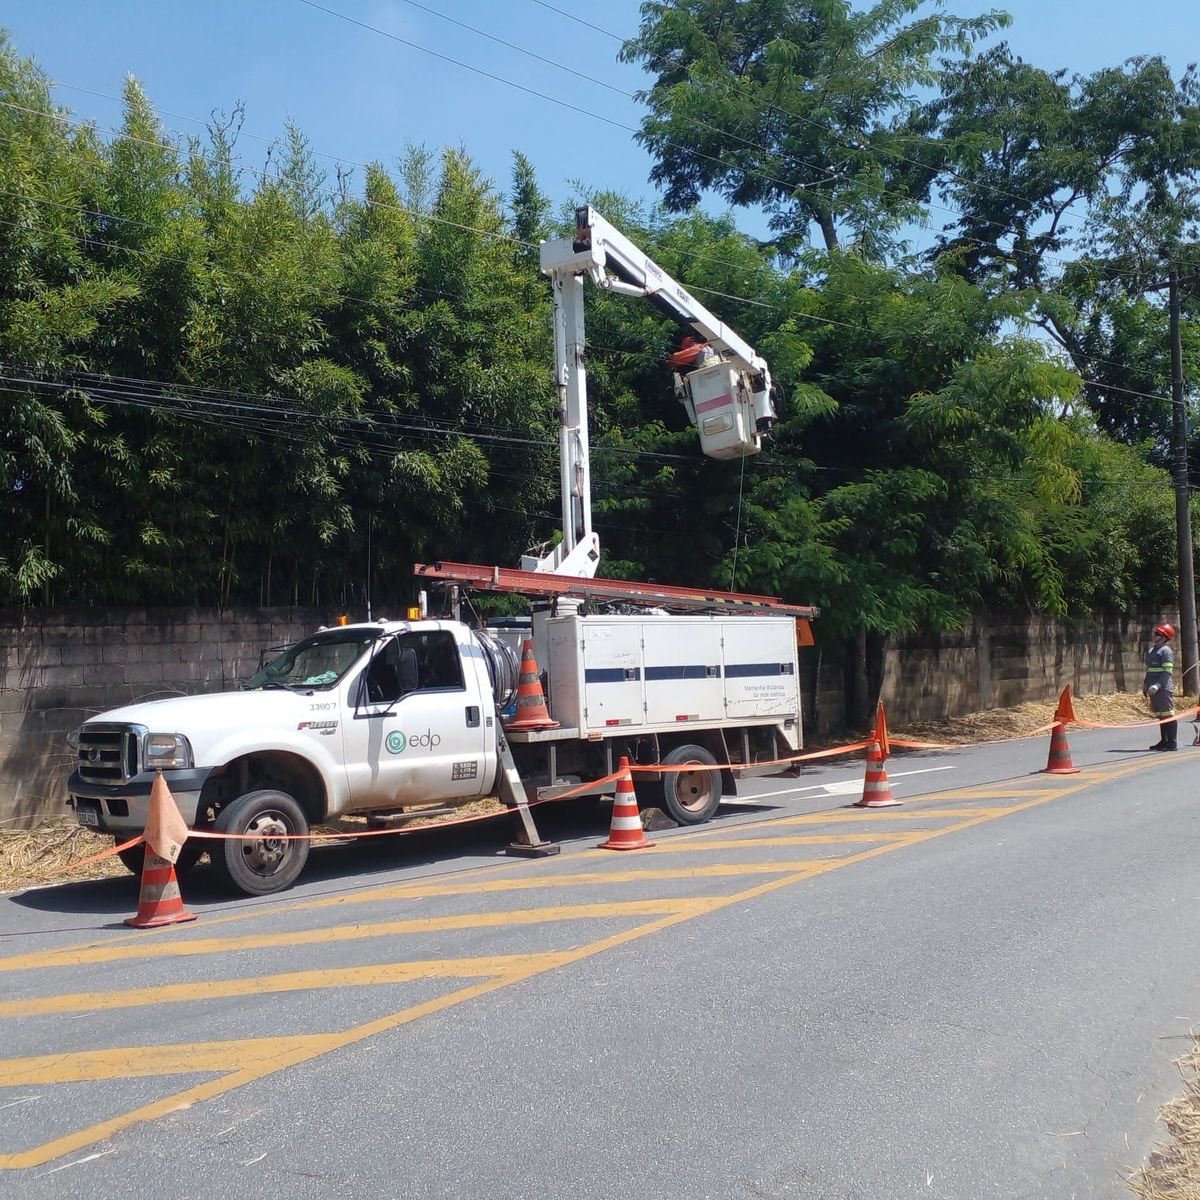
x=1168, y=631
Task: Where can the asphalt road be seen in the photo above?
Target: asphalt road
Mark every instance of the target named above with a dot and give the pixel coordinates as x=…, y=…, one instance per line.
x=976, y=994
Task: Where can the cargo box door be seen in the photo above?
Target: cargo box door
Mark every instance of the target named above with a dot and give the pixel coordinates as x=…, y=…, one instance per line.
x=760, y=669
x=612, y=676
x=683, y=672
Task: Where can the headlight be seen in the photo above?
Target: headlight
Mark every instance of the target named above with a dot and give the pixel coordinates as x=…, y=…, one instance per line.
x=163, y=750
x=73, y=739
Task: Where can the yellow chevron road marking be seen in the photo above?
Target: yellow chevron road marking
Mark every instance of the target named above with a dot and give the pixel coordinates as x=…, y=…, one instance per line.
x=138, y=1062
x=290, y=981
x=271, y=1055
x=313, y=937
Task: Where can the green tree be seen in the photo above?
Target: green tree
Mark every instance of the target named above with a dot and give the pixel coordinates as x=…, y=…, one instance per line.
x=806, y=109
x=52, y=302
x=1080, y=191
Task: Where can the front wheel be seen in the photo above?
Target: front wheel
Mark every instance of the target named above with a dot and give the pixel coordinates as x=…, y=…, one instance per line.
x=264, y=859
x=691, y=797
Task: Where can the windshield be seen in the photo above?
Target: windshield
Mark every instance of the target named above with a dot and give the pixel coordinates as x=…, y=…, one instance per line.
x=317, y=662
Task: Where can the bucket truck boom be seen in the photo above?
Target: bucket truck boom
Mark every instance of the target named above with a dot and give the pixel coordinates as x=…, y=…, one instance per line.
x=728, y=400
x=385, y=719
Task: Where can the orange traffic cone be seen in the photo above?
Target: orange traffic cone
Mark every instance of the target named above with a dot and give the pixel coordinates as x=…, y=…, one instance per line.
x=1059, y=762
x=159, y=902
x=532, y=712
x=625, y=832
x=877, y=792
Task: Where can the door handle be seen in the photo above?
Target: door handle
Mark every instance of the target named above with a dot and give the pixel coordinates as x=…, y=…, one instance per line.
x=472, y=716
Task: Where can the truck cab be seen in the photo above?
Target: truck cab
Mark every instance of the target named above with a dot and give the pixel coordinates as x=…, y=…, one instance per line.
x=364, y=718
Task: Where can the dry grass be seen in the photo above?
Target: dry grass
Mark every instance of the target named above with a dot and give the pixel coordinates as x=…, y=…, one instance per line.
x=47, y=853
x=1173, y=1169
x=1114, y=708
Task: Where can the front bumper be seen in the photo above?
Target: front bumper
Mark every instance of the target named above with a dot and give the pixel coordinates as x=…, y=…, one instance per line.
x=124, y=807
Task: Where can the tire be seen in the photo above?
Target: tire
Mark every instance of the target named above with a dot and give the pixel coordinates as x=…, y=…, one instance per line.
x=135, y=857
x=690, y=797
x=265, y=864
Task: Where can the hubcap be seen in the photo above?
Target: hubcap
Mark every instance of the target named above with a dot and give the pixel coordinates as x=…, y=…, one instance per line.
x=691, y=789
x=265, y=854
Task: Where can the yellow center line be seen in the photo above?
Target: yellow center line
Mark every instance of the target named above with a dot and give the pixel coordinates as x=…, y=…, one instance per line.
x=799, y=839
x=894, y=814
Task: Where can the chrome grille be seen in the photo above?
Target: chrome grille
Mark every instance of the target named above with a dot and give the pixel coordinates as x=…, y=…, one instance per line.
x=109, y=753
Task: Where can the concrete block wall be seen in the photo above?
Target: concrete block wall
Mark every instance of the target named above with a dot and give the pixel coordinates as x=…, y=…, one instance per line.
x=59, y=667
x=1000, y=659
x=1006, y=659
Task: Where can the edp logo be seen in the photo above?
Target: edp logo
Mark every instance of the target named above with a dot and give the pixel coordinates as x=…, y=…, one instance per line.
x=398, y=742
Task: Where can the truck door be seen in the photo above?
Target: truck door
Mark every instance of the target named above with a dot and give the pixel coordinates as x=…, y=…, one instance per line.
x=415, y=733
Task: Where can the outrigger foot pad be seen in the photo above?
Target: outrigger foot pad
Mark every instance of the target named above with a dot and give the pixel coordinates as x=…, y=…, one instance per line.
x=540, y=850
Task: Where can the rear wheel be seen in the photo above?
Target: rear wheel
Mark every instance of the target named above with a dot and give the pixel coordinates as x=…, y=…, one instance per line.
x=691, y=797
x=263, y=860
x=135, y=857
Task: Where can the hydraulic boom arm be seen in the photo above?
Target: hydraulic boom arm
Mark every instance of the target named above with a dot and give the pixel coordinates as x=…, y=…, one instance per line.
x=728, y=400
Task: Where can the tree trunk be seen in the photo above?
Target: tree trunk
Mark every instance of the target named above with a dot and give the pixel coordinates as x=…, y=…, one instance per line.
x=828, y=230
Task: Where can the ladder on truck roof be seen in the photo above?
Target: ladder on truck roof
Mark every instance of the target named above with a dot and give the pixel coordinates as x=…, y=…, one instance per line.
x=539, y=583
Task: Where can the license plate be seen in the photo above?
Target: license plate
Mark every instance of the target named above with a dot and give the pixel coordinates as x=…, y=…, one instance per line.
x=88, y=814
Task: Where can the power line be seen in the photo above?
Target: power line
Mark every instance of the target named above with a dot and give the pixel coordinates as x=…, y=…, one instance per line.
x=438, y=295
x=533, y=91
x=280, y=418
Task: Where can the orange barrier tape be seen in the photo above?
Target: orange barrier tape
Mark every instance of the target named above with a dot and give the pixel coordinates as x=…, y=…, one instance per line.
x=352, y=835
x=83, y=862
x=91, y=858
x=1186, y=715
x=660, y=768
x=665, y=769
x=591, y=786
x=580, y=789
x=832, y=752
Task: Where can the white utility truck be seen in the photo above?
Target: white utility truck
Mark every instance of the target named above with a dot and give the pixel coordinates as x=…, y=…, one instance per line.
x=385, y=719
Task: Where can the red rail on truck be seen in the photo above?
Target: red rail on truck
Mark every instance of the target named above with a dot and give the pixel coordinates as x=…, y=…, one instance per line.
x=538, y=583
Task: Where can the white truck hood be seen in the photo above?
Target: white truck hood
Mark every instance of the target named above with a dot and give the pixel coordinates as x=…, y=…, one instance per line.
x=217, y=711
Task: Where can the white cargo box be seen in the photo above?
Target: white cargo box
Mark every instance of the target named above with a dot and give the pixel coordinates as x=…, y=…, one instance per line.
x=657, y=673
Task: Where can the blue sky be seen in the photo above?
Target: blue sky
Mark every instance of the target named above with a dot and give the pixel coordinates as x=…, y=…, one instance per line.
x=359, y=95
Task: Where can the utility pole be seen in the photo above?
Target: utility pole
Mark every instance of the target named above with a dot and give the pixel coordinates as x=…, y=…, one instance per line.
x=1190, y=682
